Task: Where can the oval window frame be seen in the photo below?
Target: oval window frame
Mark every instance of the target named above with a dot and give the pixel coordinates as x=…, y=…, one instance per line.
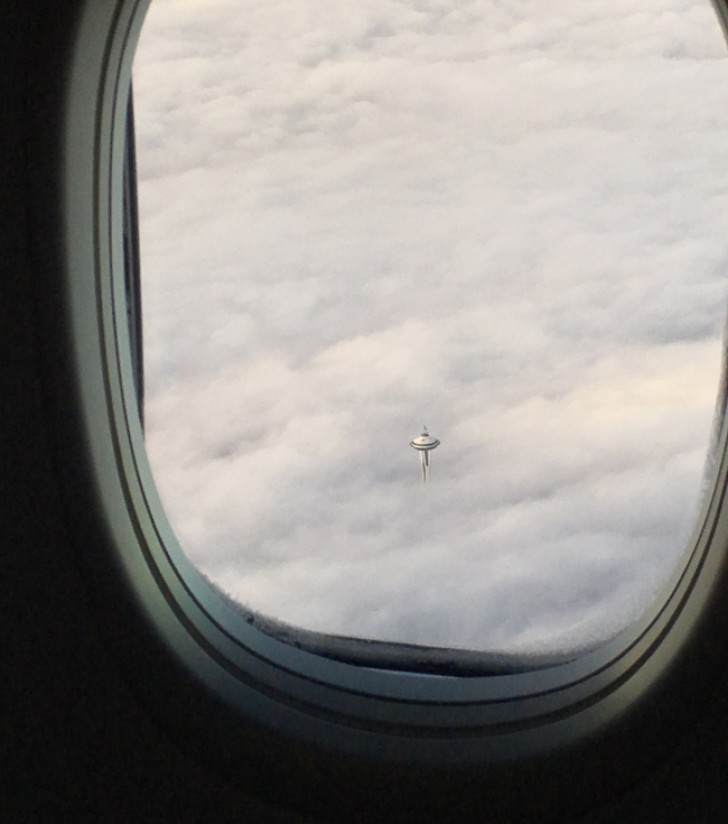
x=558, y=738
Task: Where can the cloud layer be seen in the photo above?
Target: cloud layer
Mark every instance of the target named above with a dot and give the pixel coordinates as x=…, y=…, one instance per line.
x=503, y=220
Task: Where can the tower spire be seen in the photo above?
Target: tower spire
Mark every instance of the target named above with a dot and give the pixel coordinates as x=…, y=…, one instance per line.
x=424, y=443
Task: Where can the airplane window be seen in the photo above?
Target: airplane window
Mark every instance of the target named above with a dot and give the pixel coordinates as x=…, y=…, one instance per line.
x=332, y=727
x=433, y=302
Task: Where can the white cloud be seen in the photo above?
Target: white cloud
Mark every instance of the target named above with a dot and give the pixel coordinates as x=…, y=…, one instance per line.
x=502, y=220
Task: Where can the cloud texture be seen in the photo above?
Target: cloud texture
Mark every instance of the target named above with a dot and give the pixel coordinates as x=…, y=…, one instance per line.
x=506, y=221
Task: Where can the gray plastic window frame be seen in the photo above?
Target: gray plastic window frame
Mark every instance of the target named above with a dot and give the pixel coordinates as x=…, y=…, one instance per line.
x=227, y=684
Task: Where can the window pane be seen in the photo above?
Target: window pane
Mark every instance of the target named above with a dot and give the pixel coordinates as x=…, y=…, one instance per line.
x=503, y=221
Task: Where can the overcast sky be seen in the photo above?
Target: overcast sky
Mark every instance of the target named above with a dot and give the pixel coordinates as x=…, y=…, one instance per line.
x=504, y=220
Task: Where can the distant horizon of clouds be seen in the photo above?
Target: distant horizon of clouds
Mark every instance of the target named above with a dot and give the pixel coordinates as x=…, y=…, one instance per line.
x=504, y=221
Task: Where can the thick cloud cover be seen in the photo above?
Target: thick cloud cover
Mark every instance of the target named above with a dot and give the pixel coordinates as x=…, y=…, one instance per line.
x=504, y=220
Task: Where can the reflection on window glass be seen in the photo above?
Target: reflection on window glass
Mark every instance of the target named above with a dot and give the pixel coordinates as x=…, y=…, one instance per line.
x=503, y=221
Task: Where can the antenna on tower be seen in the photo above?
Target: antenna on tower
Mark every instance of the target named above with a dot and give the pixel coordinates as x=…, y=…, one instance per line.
x=424, y=443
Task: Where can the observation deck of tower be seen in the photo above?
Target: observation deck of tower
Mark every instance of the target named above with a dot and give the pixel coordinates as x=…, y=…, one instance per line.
x=424, y=443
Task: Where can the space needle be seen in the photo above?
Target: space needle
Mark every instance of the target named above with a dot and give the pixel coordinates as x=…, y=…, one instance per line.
x=424, y=443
